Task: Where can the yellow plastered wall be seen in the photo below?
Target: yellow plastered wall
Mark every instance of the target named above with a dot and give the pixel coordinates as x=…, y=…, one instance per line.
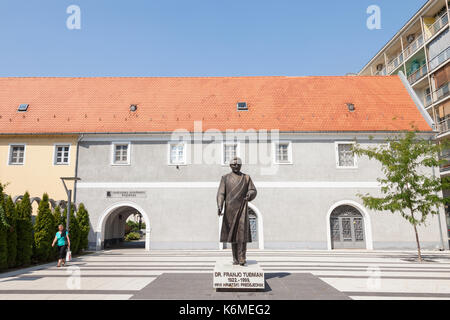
x=38, y=174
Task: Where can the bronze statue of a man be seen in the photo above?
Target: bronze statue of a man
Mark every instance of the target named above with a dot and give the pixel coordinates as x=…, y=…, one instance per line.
x=235, y=191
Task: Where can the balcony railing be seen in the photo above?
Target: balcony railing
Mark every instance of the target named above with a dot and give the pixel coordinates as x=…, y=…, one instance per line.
x=444, y=126
x=437, y=95
x=395, y=63
x=434, y=28
x=440, y=59
x=445, y=156
x=418, y=74
x=413, y=47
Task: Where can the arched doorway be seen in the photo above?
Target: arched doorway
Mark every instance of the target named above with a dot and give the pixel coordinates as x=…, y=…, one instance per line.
x=256, y=229
x=347, y=228
x=113, y=225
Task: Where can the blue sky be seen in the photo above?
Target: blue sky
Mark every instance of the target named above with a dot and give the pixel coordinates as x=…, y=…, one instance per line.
x=194, y=38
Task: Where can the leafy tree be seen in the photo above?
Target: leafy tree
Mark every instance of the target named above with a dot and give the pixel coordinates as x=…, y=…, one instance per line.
x=84, y=226
x=44, y=231
x=11, y=217
x=407, y=188
x=24, y=231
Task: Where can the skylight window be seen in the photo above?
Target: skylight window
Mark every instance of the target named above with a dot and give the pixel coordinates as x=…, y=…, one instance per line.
x=23, y=108
x=242, y=106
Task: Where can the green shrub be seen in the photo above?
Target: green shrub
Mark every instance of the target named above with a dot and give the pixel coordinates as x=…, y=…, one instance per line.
x=44, y=231
x=134, y=226
x=74, y=231
x=3, y=240
x=57, y=216
x=84, y=226
x=132, y=236
x=11, y=217
x=24, y=231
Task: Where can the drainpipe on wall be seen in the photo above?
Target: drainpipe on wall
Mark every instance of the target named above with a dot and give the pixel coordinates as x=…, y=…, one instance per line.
x=76, y=168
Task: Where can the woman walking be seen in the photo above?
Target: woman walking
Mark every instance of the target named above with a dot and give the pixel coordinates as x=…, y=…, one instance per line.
x=63, y=242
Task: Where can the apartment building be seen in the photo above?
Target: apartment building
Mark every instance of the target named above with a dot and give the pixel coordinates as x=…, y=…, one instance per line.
x=421, y=51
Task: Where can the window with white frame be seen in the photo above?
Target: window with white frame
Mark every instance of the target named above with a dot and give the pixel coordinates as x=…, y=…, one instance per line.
x=283, y=152
x=177, y=153
x=121, y=153
x=17, y=154
x=230, y=151
x=62, y=154
x=345, y=158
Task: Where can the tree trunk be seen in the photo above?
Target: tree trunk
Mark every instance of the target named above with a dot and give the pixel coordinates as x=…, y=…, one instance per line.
x=418, y=243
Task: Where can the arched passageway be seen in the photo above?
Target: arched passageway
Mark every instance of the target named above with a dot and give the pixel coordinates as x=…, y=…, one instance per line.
x=112, y=227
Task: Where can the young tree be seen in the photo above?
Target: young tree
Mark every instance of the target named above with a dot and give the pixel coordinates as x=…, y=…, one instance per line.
x=44, y=231
x=11, y=217
x=24, y=231
x=409, y=187
x=84, y=226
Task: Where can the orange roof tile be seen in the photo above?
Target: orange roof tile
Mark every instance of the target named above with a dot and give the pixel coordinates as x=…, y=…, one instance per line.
x=102, y=105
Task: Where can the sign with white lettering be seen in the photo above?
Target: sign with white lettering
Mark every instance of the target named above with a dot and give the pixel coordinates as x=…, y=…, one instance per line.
x=126, y=194
x=229, y=276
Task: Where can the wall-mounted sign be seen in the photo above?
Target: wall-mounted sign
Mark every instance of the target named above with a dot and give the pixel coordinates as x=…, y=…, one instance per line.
x=126, y=194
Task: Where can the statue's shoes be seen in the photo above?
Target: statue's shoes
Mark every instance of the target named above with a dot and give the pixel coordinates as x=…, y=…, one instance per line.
x=243, y=264
x=235, y=263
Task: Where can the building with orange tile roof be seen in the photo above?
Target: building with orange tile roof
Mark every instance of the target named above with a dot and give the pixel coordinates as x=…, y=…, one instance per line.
x=158, y=147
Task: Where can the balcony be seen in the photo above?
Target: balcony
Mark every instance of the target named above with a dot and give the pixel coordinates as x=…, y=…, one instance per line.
x=413, y=47
x=440, y=59
x=444, y=126
x=433, y=29
x=395, y=63
x=383, y=72
x=445, y=167
x=418, y=74
x=437, y=95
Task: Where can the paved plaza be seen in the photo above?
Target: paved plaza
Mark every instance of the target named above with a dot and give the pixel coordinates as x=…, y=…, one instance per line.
x=132, y=273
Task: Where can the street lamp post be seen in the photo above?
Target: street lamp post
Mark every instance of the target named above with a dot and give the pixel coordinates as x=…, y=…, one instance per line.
x=69, y=196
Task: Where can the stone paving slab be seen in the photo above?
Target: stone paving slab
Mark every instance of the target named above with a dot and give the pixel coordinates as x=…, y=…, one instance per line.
x=279, y=286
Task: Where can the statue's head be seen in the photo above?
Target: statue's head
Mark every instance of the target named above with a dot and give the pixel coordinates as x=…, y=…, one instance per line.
x=236, y=164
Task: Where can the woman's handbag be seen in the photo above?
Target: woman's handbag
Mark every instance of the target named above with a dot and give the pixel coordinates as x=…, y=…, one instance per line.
x=68, y=255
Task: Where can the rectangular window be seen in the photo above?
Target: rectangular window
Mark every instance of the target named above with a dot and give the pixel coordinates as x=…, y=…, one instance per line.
x=230, y=151
x=283, y=152
x=62, y=154
x=345, y=158
x=17, y=155
x=121, y=153
x=177, y=153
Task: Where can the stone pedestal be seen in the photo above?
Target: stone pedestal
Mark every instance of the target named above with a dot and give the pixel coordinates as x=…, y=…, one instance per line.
x=238, y=278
